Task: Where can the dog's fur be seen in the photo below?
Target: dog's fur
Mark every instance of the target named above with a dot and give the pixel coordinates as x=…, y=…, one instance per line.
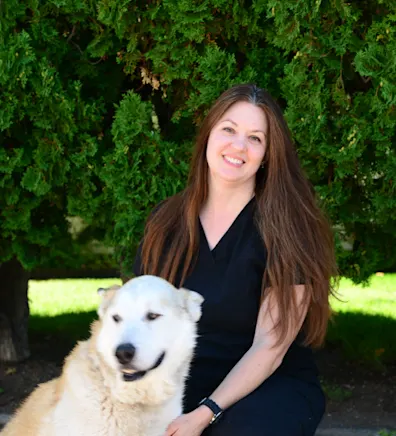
x=91, y=397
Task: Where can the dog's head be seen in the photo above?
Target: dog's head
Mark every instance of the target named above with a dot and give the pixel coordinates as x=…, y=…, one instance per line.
x=147, y=323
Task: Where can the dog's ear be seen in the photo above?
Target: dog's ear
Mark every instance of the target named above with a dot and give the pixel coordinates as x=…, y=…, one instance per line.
x=107, y=295
x=192, y=302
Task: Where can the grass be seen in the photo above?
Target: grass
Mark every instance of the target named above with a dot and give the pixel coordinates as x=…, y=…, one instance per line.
x=378, y=298
x=363, y=326
x=365, y=320
x=55, y=297
x=64, y=309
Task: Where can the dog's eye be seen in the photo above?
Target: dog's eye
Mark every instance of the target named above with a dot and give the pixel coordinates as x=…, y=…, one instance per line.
x=116, y=318
x=151, y=316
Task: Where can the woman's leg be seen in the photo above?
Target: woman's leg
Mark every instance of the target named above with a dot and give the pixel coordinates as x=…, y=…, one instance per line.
x=281, y=406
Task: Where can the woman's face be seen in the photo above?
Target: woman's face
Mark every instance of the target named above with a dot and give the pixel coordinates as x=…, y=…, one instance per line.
x=237, y=144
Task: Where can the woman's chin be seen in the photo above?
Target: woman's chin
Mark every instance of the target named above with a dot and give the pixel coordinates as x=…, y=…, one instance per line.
x=231, y=177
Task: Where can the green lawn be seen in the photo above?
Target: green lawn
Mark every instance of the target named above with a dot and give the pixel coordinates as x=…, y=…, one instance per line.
x=379, y=298
x=64, y=309
x=364, y=325
x=51, y=298
x=365, y=320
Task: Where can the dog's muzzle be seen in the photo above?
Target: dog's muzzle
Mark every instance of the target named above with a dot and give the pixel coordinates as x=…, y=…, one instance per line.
x=132, y=375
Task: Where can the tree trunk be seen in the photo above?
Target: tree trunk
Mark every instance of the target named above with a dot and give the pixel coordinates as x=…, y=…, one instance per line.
x=14, y=312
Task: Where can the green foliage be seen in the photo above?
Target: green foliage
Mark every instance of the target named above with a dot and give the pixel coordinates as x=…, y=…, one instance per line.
x=340, y=88
x=48, y=133
x=335, y=392
x=140, y=171
x=100, y=100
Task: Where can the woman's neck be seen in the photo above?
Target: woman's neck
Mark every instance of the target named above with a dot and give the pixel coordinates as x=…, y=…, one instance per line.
x=224, y=198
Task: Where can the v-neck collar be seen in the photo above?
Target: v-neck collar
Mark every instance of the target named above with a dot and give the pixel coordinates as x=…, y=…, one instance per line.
x=216, y=252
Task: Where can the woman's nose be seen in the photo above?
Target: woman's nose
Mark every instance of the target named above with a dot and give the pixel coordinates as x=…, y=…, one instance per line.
x=239, y=143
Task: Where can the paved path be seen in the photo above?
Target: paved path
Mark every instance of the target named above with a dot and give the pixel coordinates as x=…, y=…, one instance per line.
x=346, y=432
x=3, y=419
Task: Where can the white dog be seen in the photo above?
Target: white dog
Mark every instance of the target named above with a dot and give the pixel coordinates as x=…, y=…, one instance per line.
x=128, y=378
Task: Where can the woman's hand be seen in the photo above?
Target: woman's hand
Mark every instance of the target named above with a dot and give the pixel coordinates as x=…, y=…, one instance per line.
x=190, y=424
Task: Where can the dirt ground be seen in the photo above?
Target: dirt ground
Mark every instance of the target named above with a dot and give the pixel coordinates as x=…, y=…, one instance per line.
x=358, y=397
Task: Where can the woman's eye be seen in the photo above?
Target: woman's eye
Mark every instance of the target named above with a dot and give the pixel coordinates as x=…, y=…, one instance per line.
x=116, y=318
x=228, y=129
x=255, y=138
x=151, y=316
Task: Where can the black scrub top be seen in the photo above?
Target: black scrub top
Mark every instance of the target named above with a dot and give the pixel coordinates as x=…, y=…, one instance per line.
x=229, y=278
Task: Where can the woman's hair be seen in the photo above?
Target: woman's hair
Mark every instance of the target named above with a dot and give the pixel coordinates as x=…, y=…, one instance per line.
x=296, y=234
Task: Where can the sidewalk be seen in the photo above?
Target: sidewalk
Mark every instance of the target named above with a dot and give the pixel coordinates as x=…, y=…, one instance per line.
x=3, y=419
x=347, y=432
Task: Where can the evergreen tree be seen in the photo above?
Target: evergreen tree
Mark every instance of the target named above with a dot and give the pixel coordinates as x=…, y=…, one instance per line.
x=100, y=101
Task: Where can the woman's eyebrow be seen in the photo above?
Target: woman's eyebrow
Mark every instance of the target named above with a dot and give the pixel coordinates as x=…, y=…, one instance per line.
x=227, y=119
x=235, y=124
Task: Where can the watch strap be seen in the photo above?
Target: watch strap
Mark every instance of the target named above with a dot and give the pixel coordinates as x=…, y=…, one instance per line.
x=214, y=407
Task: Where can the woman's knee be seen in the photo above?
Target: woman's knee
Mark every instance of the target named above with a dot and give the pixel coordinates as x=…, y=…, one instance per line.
x=249, y=426
x=274, y=410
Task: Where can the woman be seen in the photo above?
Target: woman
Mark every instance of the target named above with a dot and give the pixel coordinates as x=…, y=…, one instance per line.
x=246, y=233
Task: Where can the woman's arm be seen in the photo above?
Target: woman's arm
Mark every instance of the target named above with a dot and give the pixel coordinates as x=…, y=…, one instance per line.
x=263, y=358
x=257, y=364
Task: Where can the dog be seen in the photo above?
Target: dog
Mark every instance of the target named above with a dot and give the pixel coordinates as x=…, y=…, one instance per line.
x=128, y=378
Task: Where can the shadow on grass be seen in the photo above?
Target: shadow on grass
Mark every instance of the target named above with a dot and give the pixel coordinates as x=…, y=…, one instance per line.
x=52, y=338
x=367, y=339
x=364, y=337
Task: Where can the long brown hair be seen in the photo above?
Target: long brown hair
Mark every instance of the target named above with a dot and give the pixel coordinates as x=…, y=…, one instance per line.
x=296, y=234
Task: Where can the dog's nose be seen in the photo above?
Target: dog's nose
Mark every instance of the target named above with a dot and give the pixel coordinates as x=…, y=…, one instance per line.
x=125, y=353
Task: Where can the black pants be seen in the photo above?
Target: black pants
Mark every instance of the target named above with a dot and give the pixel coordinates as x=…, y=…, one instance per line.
x=281, y=406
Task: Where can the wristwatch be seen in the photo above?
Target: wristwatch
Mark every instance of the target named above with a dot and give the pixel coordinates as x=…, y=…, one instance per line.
x=215, y=408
